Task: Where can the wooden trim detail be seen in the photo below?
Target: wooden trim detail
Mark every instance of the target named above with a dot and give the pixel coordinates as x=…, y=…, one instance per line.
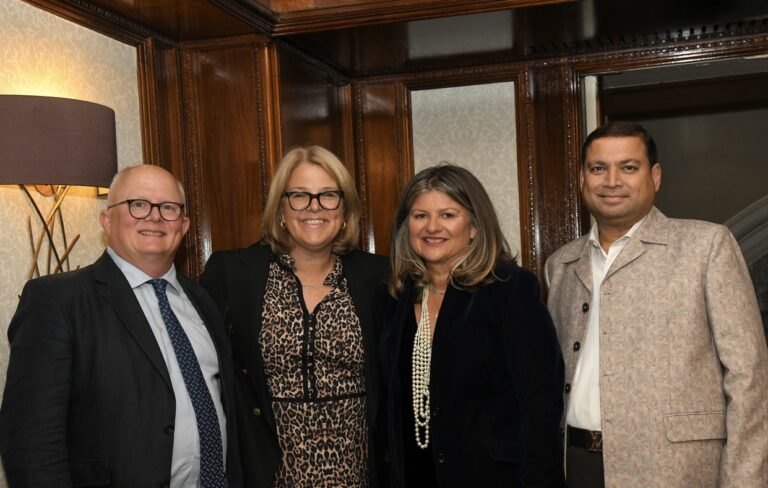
x=102, y=20
x=370, y=13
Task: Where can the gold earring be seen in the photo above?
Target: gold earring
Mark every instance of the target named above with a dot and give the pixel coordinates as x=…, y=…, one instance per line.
x=282, y=224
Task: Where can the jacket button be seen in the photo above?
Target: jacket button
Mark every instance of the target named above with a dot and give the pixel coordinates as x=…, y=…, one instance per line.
x=168, y=429
x=567, y=387
x=435, y=412
x=256, y=411
x=441, y=458
x=244, y=371
x=576, y=346
x=585, y=307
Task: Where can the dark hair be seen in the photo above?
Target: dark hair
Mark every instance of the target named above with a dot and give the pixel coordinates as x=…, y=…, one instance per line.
x=487, y=250
x=622, y=129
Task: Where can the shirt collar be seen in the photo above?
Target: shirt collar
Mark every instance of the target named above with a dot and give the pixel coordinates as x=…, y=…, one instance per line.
x=594, y=237
x=137, y=277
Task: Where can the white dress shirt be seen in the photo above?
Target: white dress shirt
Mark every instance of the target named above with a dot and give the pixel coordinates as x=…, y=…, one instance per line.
x=584, y=405
x=185, y=465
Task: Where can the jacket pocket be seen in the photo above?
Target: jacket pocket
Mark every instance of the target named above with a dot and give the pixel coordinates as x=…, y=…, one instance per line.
x=90, y=473
x=685, y=427
x=503, y=451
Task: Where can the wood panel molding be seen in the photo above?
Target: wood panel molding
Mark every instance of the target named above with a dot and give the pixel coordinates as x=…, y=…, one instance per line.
x=266, y=76
x=199, y=236
x=102, y=20
x=148, y=100
x=663, y=53
x=347, y=14
x=368, y=238
x=527, y=172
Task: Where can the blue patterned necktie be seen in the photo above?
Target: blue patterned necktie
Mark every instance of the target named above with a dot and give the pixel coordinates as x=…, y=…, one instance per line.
x=211, y=452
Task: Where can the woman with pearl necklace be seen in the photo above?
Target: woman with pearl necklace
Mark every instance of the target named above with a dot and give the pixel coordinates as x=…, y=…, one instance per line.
x=472, y=371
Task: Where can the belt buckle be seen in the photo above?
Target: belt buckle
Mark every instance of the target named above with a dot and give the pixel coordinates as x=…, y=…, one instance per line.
x=597, y=441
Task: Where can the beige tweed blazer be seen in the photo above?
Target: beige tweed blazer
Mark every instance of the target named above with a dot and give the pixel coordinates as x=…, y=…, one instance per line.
x=683, y=359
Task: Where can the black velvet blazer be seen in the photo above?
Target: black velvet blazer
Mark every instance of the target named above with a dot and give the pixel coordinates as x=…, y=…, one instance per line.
x=237, y=281
x=496, y=385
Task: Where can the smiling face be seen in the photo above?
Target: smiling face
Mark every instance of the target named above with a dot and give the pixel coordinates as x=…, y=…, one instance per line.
x=618, y=183
x=439, y=230
x=314, y=229
x=150, y=244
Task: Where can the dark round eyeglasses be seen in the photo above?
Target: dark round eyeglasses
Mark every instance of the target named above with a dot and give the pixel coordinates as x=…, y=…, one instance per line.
x=140, y=209
x=301, y=200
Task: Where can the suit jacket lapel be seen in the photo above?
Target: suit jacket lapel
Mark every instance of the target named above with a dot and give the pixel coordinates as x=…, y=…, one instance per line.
x=583, y=268
x=581, y=257
x=112, y=286
x=652, y=231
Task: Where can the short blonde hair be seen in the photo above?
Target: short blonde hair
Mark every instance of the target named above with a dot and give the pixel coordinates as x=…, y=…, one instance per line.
x=487, y=250
x=275, y=235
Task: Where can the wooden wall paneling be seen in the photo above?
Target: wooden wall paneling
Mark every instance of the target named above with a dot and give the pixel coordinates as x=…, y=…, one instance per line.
x=224, y=147
x=548, y=131
x=380, y=158
x=162, y=130
x=314, y=104
x=269, y=109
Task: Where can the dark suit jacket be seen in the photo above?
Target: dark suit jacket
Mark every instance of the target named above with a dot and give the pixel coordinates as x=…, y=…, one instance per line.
x=88, y=401
x=237, y=281
x=496, y=385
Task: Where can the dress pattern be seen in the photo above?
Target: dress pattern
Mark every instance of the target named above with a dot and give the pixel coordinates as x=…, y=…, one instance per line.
x=314, y=365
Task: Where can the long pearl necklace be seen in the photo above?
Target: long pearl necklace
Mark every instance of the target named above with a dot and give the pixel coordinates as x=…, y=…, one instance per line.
x=422, y=358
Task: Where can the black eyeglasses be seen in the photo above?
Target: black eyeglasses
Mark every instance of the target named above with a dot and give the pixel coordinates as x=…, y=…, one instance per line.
x=140, y=209
x=301, y=200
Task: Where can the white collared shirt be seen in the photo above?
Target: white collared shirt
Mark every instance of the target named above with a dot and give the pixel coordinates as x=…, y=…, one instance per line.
x=185, y=464
x=584, y=405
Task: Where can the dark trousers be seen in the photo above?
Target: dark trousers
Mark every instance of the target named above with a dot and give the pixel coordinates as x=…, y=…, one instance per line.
x=583, y=468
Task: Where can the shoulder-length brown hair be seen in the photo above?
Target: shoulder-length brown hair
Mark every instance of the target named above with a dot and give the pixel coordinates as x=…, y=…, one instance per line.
x=275, y=235
x=487, y=250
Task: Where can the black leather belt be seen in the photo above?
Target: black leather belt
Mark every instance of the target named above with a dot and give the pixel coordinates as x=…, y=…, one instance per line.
x=591, y=440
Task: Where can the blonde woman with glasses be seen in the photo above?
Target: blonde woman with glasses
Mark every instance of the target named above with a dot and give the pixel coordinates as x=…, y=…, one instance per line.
x=298, y=306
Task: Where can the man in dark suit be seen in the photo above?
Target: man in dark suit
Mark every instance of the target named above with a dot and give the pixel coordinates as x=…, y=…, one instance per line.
x=119, y=373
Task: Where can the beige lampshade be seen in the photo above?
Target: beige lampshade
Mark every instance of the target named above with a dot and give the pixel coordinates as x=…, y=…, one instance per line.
x=56, y=141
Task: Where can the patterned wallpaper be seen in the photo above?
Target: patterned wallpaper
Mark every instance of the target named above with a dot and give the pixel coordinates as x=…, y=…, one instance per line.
x=45, y=55
x=473, y=127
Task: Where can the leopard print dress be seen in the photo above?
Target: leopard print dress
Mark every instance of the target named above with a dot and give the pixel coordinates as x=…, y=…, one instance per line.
x=314, y=365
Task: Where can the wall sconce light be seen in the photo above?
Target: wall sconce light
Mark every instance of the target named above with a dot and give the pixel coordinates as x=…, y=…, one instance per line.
x=55, y=143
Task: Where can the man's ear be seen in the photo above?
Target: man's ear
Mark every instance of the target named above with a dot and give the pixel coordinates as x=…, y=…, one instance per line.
x=656, y=175
x=105, y=220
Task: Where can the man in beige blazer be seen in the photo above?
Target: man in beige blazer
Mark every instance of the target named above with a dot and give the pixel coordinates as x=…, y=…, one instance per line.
x=665, y=356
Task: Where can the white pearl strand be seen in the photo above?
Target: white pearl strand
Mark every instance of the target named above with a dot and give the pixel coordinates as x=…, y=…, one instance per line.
x=422, y=358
